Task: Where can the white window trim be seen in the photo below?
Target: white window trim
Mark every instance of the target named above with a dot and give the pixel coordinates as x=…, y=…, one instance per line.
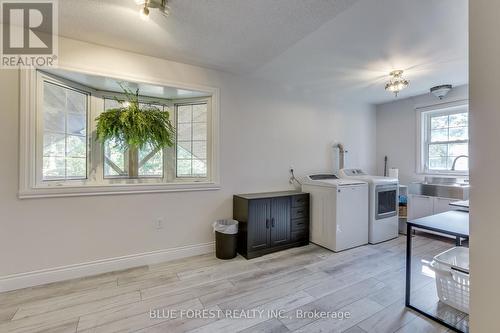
x=420, y=144
x=177, y=103
x=29, y=187
x=41, y=78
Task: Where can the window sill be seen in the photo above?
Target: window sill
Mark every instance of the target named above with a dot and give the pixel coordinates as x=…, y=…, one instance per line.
x=115, y=189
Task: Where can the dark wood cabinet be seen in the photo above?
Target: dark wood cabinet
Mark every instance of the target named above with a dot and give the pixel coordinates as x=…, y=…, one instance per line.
x=271, y=221
x=280, y=221
x=259, y=212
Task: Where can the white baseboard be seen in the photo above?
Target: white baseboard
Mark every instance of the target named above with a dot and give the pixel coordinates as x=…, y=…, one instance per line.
x=35, y=278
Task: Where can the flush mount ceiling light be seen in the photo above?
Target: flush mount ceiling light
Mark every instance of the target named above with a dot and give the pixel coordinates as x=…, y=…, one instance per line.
x=441, y=91
x=397, y=82
x=146, y=5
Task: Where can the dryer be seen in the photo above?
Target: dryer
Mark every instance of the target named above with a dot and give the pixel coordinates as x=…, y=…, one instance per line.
x=383, y=204
x=339, y=211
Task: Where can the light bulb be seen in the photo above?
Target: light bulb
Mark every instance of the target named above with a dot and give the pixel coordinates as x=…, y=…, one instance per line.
x=144, y=12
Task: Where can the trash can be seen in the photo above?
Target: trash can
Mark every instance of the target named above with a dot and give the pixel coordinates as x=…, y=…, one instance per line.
x=226, y=236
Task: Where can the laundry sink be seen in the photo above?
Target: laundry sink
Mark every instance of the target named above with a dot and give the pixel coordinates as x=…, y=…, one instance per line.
x=441, y=180
x=444, y=187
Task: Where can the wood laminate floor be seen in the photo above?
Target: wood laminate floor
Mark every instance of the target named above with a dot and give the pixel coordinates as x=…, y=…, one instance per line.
x=365, y=285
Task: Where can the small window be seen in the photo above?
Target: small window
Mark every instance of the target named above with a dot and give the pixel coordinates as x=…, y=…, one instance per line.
x=192, y=140
x=64, y=133
x=446, y=140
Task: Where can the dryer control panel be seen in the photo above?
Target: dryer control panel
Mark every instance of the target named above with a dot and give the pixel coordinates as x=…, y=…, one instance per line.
x=354, y=172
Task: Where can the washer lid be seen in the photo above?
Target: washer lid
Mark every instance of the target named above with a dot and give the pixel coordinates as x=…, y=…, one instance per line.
x=330, y=180
x=323, y=177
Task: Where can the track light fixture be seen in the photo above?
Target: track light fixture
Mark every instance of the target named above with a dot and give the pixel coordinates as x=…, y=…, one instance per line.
x=146, y=5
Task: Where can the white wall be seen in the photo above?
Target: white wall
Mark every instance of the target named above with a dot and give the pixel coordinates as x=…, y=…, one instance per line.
x=396, y=132
x=264, y=129
x=485, y=164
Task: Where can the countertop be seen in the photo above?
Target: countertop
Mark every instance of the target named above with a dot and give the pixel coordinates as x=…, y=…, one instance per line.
x=460, y=204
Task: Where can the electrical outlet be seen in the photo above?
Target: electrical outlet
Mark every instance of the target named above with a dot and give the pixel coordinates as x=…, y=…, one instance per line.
x=159, y=224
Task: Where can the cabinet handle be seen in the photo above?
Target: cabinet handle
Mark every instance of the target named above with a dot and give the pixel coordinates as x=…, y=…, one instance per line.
x=272, y=222
x=267, y=223
x=300, y=211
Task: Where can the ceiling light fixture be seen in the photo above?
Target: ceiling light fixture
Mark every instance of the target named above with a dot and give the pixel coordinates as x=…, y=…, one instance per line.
x=441, y=91
x=146, y=5
x=397, y=82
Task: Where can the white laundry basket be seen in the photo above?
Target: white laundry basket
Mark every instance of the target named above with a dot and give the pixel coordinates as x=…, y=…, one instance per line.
x=452, y=277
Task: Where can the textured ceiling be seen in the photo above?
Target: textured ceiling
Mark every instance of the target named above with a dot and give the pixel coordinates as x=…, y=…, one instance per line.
x=352, y=55
x=343, y=48
x=232, y=35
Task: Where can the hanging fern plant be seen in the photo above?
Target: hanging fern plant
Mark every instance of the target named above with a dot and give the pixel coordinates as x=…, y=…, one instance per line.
x=133, y=127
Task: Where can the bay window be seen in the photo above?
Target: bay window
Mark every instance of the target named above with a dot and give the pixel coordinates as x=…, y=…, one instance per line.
x=61, y=156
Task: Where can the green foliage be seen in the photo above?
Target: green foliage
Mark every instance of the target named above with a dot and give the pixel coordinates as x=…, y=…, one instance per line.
x=133, y=127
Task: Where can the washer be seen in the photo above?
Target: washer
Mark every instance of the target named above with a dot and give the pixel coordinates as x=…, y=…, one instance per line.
x=339, y=211
x=383, y=204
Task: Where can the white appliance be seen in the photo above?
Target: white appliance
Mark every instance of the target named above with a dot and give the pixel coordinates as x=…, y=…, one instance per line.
x=383, y=204
x=339, y=211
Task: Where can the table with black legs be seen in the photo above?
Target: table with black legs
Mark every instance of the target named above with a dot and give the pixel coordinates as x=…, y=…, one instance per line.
x=453, y=223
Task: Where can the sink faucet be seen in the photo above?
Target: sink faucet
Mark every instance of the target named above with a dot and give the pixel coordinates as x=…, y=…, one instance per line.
x=455, y=161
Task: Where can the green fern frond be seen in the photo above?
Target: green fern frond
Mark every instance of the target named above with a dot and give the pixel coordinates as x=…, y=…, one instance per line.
x=132, y=126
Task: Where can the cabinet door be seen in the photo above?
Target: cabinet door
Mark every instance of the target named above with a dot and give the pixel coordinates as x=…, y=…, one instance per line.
x=259, y=223
x=420, y=206
x=442, y=205
x=280, y=220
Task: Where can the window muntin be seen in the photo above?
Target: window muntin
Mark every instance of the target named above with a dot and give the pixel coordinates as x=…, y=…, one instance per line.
x=64, y=117
x=446, y=137
x=192, y=140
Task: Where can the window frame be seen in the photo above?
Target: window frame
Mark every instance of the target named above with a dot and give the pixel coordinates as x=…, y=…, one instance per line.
x=30, y=184
x=41, y=79
x=423, y=115
x=192, y=101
